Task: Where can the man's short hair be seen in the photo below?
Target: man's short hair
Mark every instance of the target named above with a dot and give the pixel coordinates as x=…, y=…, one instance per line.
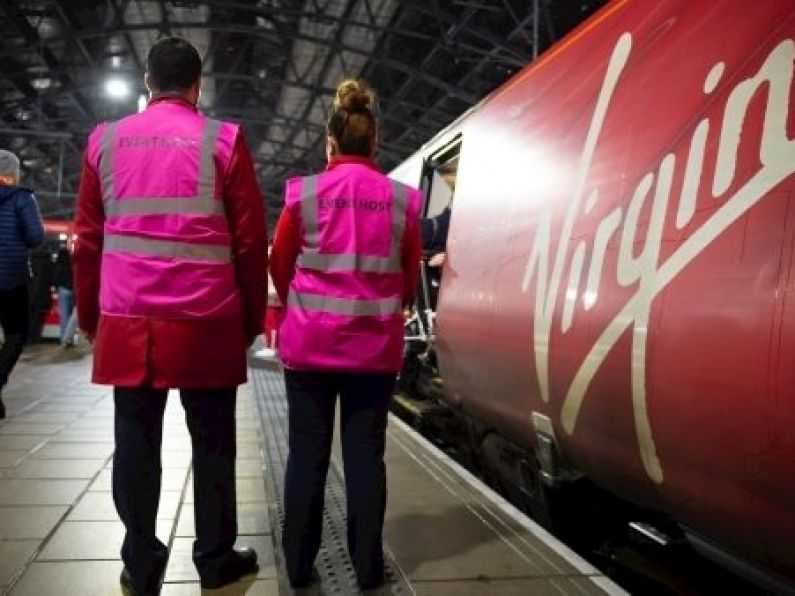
x=173, y=64
x=9, y=164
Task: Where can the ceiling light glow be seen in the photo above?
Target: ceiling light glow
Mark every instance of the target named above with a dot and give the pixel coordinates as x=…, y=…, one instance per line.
x=117, y=88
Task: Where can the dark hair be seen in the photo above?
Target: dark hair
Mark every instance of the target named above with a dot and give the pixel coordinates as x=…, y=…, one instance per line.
x=173, y=64
x=352, y=121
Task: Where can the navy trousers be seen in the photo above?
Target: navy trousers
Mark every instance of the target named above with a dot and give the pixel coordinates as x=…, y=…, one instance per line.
x=14, y=314
x=210, y=414
x=364, y=404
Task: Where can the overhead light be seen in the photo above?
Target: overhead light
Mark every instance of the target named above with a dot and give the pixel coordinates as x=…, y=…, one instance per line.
x=142, y=101
x=41, y=83
x=115, y=61
x=117, y=88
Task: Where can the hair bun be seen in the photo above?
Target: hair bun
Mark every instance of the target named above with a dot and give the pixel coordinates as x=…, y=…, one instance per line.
x=354, y=96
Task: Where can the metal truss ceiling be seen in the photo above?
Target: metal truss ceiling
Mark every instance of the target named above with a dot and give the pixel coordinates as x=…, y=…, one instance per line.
x=269, y=64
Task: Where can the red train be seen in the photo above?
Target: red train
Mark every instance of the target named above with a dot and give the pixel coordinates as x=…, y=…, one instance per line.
x=57, y=232
x=618, y=295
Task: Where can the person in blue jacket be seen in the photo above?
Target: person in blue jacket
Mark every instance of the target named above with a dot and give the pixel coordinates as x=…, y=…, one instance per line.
x=21, y=229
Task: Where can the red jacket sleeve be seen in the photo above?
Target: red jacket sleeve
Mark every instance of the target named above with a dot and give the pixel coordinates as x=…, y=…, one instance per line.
x=87, y=257
x=412, y=253
x=286, y=246
x=246, y=215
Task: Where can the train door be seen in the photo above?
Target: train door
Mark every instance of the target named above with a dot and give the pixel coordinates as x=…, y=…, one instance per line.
x=438, y=180
x=438, y=185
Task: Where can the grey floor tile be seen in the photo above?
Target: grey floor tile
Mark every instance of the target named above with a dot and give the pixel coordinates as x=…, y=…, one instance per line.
x=75, y=578
x=249, y=450
x=25, y=523
x=247, y=436
x=175, y=459
x=57, y=450
x=8, y=459
x=169, y=504
x=56, y=407
x=49, y=417
x=32, y=428
x=180, y=564
x=13, y=557
x=95, y=540
x=259, y=587
x=252, y=519
x=103, y=482
x=98, y=506
x=64, y=469
x=72, y=436
x=249, y=468
x=173, y=479
x=176, y=444
x=84, y=423
x=40, y=492
x=78, y=400
x=249, y=490
x=21, y=442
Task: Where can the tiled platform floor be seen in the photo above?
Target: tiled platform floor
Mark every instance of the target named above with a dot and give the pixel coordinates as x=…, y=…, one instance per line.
x=59, y=533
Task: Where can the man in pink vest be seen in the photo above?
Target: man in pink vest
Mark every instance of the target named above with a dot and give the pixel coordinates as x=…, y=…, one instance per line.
x=170, y=275
x=345, y=262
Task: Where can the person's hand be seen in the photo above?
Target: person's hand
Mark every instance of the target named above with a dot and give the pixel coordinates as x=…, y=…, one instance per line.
x=437, y=260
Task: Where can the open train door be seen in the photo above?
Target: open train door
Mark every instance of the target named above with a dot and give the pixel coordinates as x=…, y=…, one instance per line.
x=436, y=174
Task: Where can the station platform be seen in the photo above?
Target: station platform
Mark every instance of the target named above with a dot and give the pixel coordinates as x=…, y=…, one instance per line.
x=445, y=533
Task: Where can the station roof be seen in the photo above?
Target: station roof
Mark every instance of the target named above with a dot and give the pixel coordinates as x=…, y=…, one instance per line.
x=272, y=65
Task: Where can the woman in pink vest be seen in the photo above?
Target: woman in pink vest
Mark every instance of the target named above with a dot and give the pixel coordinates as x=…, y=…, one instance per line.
x=345, y=262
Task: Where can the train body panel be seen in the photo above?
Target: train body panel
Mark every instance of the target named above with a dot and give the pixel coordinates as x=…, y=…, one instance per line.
x=620, y=263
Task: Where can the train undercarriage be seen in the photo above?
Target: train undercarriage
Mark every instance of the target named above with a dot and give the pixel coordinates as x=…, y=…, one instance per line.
x=645, y=551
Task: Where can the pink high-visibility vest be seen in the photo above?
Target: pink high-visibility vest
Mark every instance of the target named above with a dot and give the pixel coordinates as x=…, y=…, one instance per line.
x=167, y=248
x=344, y=309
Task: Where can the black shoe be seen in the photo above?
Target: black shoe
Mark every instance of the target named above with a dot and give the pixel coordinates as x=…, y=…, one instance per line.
x=238, y=563
x=305, y=582
x=126, y=582
x=2, y=409
x=372, y=583
x=128, y=587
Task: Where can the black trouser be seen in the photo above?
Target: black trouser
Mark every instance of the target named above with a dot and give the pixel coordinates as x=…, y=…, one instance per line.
x=364, y=403
x=14, y=311
x=210, y=415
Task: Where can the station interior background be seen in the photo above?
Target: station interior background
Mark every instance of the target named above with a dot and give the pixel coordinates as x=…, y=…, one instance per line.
x=271, y=65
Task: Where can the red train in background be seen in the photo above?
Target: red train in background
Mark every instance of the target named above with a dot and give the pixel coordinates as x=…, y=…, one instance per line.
x=617, y=300
x=57, y=232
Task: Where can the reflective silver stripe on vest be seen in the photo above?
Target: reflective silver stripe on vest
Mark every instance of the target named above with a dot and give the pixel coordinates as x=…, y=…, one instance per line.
x=166, y=248
x=345, y=306
x=309, y=212
x=164, y=206
x=348, y=262
x=206, y=186
x=202, y=203
x=399, y=205
x=106, y=162
x=311, y=258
